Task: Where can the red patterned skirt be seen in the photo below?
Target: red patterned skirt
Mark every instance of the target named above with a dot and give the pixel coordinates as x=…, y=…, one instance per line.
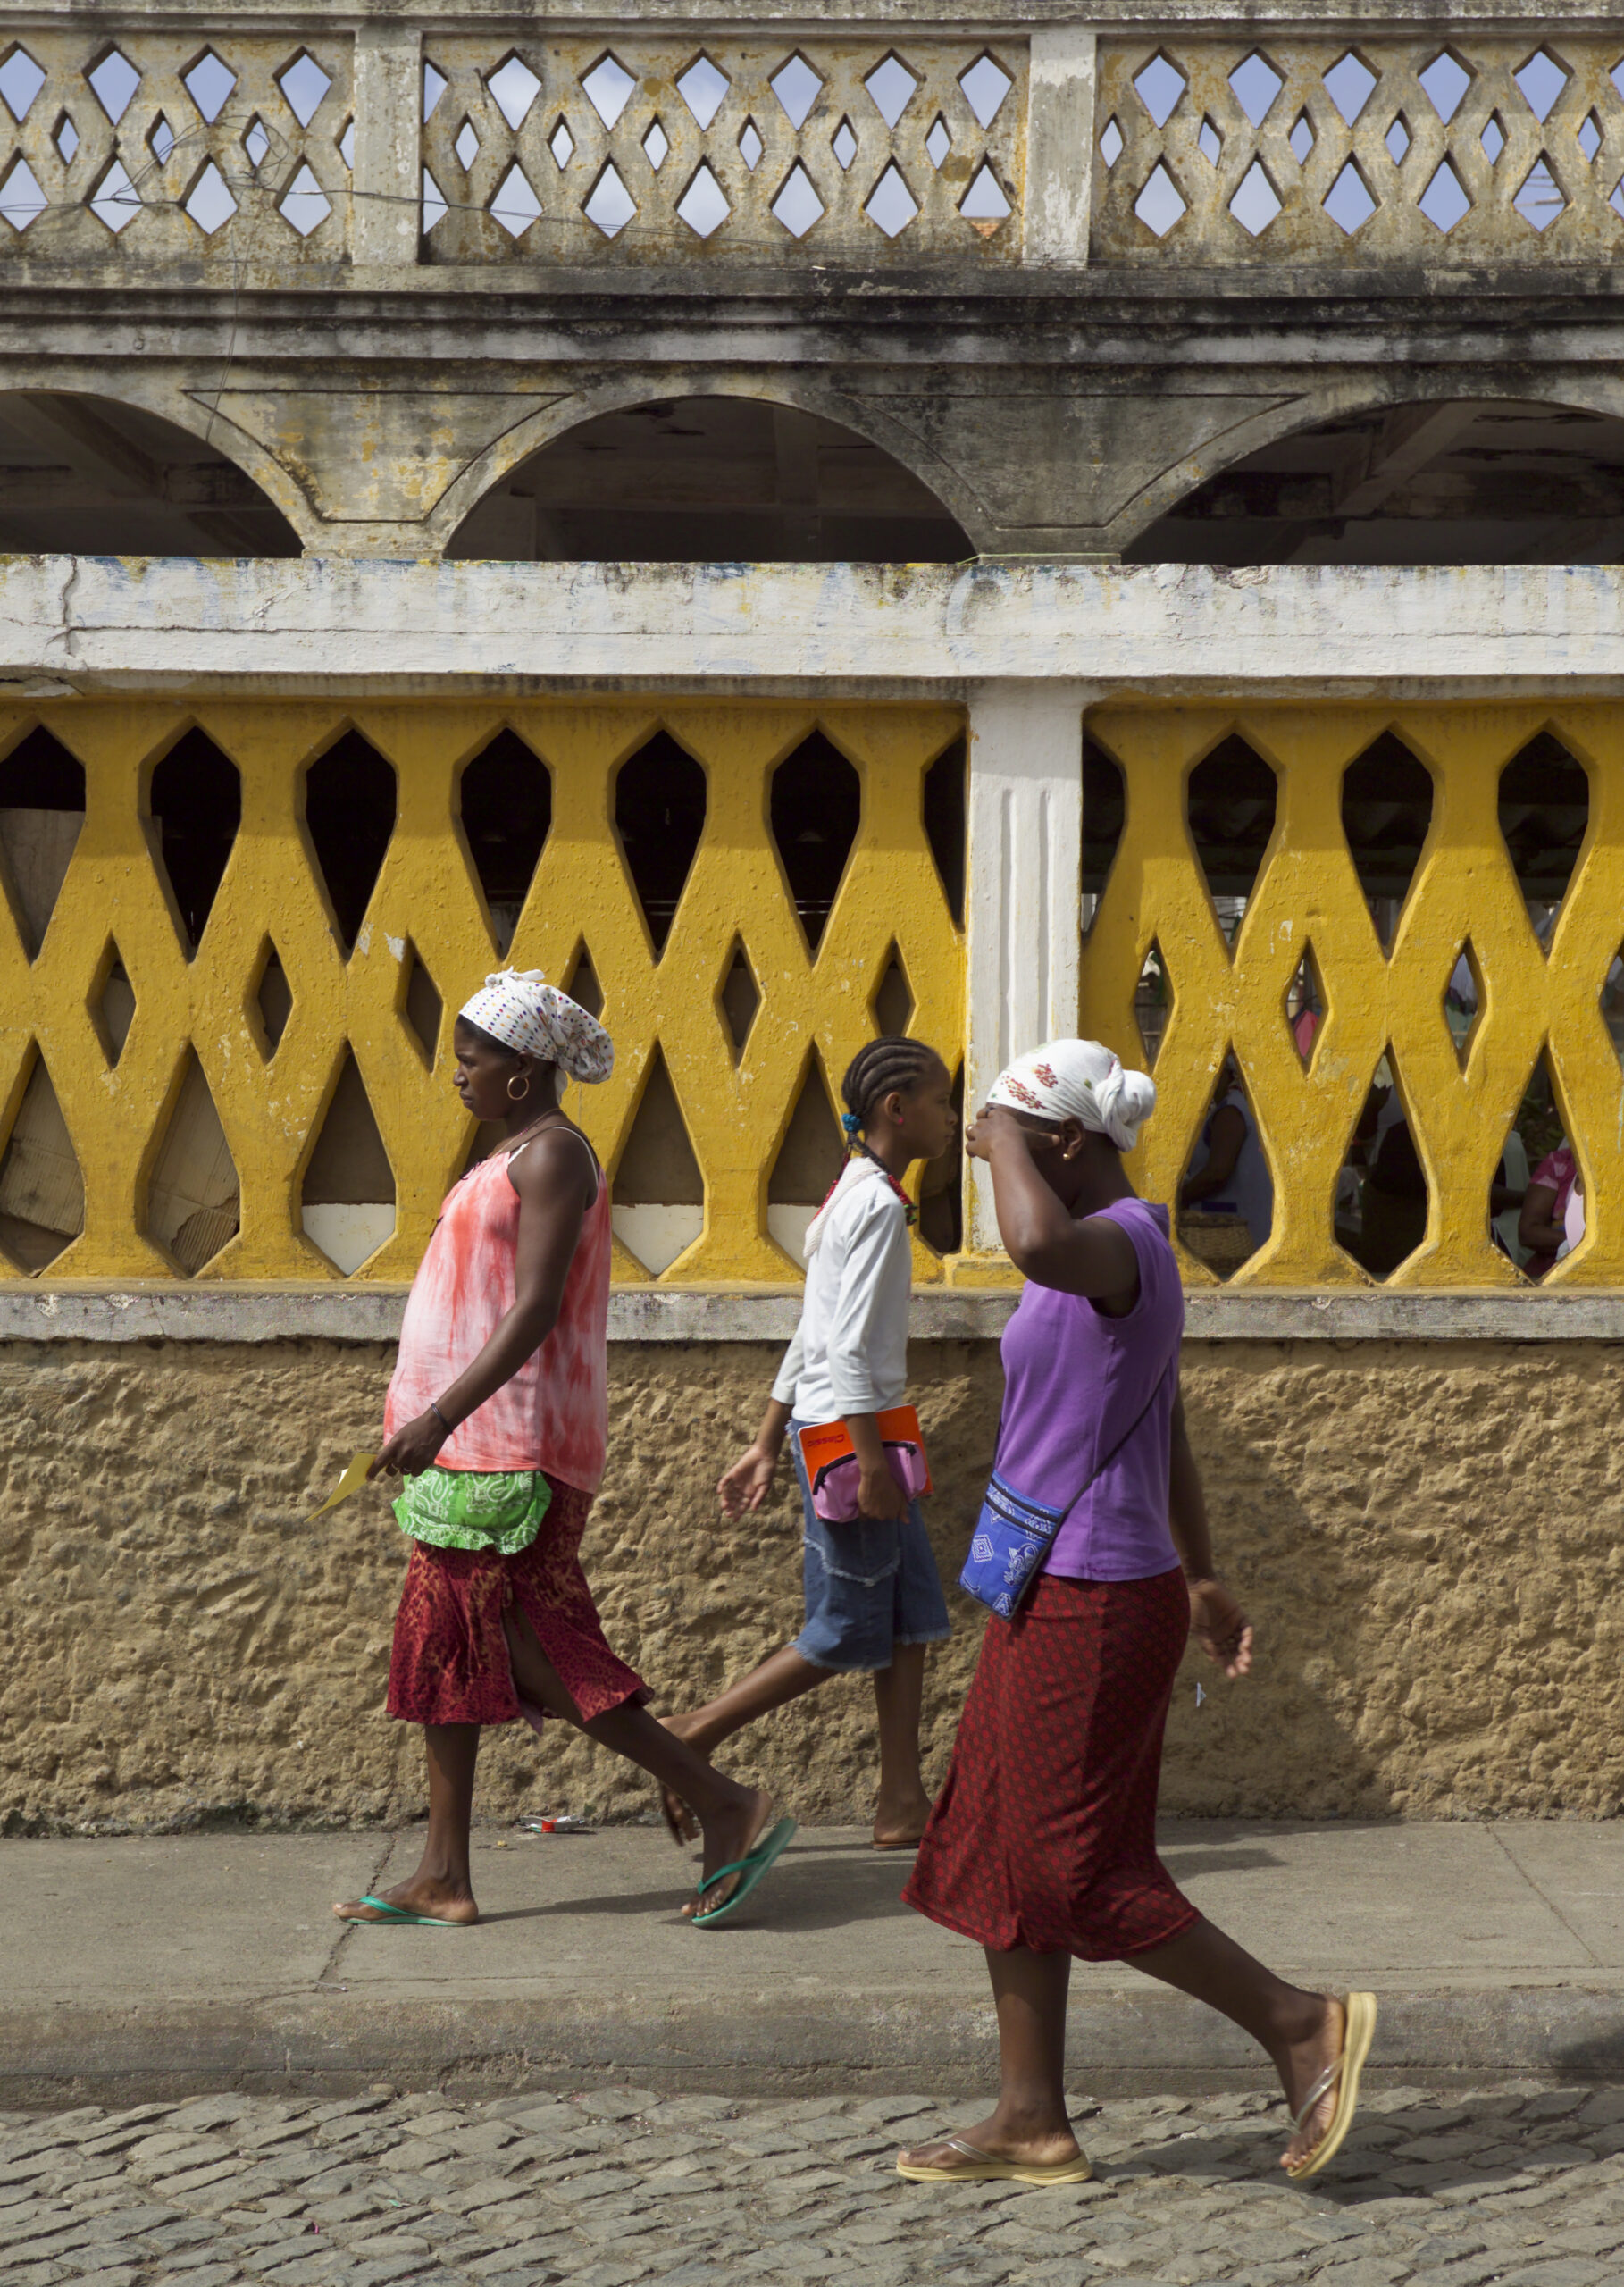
x=450, y=1663
x=1044, y=1835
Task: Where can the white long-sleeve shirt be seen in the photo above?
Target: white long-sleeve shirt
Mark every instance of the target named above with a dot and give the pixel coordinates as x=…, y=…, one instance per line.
x=850, y=1353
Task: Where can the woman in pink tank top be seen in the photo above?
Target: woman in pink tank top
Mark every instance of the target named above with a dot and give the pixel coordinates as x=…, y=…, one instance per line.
x=496, y=1420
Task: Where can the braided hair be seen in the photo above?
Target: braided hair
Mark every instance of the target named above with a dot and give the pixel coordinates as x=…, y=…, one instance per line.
x=894, y=1062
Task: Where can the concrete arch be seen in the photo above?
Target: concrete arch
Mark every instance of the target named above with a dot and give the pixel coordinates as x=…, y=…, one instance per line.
x=1417, y=420
x=942, y=492
x=138, y=469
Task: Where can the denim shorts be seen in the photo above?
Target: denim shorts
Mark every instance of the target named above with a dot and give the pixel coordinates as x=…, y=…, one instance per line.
x=869, y=1586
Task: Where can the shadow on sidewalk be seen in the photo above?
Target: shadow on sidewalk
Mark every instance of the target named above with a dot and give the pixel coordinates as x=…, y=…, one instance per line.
x=806, y=1894
x=1486, y=2145
x=1184, y=1861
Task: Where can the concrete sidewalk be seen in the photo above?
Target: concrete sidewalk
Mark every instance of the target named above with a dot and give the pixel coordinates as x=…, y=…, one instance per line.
x=180, y=1963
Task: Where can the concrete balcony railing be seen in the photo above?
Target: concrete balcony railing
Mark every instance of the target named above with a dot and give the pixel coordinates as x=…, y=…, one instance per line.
x=238, y=150
x=1406, y=149
x=226, y=146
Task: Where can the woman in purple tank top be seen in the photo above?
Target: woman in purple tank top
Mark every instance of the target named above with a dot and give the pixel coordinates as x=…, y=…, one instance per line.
x=1042, y=1843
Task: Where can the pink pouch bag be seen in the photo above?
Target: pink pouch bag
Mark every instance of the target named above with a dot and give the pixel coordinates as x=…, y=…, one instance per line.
x=835, y=1475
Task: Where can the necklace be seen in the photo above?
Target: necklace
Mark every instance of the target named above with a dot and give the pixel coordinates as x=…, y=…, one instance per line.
x=553, y=1112
x=910, y=1213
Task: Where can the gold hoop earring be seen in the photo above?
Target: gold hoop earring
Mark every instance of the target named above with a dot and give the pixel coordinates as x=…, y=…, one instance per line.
x=517, y=1095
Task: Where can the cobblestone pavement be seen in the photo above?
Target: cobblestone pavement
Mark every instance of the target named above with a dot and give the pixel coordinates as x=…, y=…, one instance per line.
x=614, y=2186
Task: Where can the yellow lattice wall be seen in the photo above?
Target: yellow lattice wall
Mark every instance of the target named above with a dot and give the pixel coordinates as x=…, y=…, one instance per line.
x=428, y=897
x=1307, y=893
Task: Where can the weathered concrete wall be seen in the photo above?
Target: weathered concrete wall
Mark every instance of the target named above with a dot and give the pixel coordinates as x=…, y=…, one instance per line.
x=1426, y=1536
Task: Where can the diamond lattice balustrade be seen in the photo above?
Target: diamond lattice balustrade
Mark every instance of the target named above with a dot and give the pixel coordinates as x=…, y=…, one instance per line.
x=744, y=128
x=427, y=905
x=1440, y=158
x=177, y=131
x=1308, y=891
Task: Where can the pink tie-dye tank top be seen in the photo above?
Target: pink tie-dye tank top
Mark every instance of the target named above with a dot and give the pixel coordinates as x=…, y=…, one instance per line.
x=554, y=1414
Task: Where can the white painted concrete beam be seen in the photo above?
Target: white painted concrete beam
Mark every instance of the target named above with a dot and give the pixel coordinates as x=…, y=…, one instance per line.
x=372, y=1313
x=331, y=624
x=789, y=18
x=1025, y=838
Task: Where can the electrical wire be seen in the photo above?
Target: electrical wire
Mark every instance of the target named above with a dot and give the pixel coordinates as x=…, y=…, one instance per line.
x=252, y=195
x=254, y=198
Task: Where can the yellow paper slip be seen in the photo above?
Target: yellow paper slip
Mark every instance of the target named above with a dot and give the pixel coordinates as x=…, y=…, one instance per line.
x=352, y=1480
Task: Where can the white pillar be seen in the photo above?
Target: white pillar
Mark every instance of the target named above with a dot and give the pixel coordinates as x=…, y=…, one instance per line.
x=386, y=214
x=1060, y=146
x=1024, y=905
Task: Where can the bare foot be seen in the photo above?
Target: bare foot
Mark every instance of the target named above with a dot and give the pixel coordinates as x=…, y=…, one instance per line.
x=900, y=1826
x=730, y=1835
x=1044, y=2147
x=443, y=1901
x=1301, y=2065
x=680, y=1821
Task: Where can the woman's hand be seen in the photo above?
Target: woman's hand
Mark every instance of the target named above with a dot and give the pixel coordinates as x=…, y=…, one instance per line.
x=993, y=1124
x=746, y=1485
x=880, y=1498
x=411, y=1450
x=1220, y=1627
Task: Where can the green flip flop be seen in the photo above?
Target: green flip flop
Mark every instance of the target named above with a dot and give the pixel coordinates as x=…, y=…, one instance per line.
x=750, y=1870
x=388, y=1913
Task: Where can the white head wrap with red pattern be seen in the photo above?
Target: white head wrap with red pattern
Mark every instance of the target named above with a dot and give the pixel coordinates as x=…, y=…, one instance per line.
x=1078, y=1079
x=519, y=1007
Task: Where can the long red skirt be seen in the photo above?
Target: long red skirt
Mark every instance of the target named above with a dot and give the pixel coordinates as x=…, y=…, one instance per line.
x=450, y=1663
x=1044, y=1835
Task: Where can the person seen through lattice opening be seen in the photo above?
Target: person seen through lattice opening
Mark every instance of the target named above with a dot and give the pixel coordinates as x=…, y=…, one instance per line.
x=1543, y=1225
x=1229, y=1170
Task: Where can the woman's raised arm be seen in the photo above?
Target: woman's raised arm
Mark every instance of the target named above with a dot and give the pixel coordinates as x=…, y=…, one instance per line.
x=1044, y=1241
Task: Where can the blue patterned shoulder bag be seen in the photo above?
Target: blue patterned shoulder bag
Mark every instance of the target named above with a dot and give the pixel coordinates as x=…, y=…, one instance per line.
x=1013, y=1534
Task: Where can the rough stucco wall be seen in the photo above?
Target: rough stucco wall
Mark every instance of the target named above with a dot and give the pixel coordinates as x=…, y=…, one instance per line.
x=1425, y=1536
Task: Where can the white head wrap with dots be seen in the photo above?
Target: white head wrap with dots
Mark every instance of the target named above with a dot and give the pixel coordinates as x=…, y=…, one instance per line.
x=1078, y=1079
x=519, y=1007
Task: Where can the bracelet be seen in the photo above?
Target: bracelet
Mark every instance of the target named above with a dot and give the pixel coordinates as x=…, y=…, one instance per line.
x=440, y=1418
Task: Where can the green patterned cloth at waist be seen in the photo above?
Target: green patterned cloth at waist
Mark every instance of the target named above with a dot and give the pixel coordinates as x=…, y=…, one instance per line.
x=478, y=1509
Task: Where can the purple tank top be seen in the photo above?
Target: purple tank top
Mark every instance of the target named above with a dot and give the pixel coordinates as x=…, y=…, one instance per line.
x=1074, y=1379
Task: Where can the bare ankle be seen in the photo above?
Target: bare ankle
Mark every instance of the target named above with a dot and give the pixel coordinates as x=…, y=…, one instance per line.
x=1031, y=2116
x=723, y=1799
x=1310, y=2020
x=443, y=1874
x=1301, y=2031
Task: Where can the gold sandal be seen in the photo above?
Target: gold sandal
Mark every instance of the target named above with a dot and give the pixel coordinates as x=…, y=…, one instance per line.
x=1358, y=2033
x=981, y=2167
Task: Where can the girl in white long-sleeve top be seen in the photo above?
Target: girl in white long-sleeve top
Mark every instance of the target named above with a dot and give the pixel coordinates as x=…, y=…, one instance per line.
x=874, y=1599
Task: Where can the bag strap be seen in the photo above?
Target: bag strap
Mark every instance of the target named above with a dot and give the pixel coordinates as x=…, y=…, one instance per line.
x=1038, y=1569
x=1099, y=1468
